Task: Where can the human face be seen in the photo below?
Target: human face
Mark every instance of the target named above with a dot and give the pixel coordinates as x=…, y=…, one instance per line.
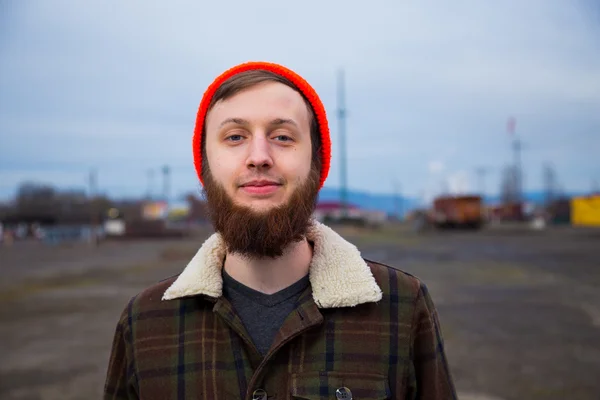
x=258, y=145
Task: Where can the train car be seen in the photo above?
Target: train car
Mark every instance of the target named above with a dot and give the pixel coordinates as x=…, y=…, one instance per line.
x=458, y=212
x=585, y=211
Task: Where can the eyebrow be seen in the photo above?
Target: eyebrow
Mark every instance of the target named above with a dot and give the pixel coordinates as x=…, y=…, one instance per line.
x=237, y=121
x=281, y=121
x=275, y=122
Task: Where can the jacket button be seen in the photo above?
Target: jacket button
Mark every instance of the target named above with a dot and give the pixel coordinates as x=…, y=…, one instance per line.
x=259, y=394
x=343, y=393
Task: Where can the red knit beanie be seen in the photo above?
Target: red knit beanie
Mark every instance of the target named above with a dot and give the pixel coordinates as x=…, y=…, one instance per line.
x=304, y=87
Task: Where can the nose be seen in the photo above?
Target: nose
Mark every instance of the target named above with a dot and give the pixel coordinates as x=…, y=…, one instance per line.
x=259, y=153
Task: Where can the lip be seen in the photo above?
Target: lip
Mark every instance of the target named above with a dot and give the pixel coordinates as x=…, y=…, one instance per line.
x=260, y=187
x=260, y=182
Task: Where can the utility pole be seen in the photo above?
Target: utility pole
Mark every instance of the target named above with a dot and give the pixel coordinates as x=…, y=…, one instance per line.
x=518, y=172
x=166, y=182
x=518, y=169
x=93, y=182
x=549, y=184
x=341, y=114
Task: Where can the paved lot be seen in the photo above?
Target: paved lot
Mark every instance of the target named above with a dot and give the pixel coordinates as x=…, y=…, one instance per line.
x=520, y=310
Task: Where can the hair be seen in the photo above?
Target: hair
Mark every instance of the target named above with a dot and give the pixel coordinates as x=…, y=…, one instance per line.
x=246, y=80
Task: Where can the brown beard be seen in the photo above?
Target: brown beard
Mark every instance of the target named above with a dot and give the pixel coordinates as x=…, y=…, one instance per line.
x=261, y=234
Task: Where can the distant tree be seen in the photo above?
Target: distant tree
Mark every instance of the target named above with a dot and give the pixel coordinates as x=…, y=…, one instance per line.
x=35, y=200
x=43, y=203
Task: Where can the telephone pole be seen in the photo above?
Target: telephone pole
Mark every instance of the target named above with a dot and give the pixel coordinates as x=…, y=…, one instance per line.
x=341, y=114
x=93, y=182
x=518, y=171
x=549, y=184
x=166, y=182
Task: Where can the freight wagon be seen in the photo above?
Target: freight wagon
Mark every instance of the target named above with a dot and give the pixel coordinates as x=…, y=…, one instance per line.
x=457, y=212
x=585, y=211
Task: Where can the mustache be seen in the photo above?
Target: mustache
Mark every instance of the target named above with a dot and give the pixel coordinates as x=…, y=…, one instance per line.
x=251, y=178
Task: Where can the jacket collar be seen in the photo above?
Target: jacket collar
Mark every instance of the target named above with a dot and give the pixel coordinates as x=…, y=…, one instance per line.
x=339, y=276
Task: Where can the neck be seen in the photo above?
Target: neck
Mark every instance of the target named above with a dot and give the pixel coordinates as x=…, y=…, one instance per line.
x=268, y=275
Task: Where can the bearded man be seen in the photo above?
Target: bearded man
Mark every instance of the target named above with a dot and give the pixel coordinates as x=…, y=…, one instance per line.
x=275, y=305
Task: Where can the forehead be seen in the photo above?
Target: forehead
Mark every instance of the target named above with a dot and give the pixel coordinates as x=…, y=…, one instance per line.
x=263, y=102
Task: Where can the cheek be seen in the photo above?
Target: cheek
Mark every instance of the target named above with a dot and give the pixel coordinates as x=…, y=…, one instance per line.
x=222, y=169
x=300, y=171
x=306, y=163
x=301, y=159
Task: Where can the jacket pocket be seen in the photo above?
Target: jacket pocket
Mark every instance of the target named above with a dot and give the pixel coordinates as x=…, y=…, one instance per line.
x=339, y=385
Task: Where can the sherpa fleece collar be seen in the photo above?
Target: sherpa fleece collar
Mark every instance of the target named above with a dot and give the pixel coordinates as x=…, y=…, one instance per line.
x=338, y=274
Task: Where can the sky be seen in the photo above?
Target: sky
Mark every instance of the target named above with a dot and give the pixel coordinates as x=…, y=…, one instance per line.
x=114, y=87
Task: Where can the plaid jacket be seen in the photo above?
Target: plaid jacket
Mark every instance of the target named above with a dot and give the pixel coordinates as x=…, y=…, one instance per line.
x=362, y=330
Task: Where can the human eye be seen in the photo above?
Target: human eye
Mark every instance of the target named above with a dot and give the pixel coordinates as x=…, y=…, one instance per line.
x=234, y=138
x=283, y=138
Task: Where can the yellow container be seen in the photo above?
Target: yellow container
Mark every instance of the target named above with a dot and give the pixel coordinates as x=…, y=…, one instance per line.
x=585, y=211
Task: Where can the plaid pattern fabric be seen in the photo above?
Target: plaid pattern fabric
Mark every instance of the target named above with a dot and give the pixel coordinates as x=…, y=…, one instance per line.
x=197, y=348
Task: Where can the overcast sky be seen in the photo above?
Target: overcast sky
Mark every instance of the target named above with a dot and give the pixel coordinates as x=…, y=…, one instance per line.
x=430, y=85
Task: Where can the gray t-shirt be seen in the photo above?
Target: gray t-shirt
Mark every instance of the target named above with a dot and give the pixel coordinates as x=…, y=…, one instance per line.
x=262, y=314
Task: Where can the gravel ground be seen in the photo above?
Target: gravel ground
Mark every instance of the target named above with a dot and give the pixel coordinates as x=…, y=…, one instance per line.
x=520, y=310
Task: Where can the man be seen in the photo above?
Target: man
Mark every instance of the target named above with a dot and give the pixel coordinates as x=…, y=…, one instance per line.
x=275, y=305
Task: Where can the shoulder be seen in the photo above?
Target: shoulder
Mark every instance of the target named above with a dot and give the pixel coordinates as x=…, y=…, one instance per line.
x=148, y=300
x=394, y=281
x=404, y=292
x=152, y=295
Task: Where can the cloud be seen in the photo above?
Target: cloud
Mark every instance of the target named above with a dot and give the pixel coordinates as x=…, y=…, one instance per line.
x=459, y=183
x=435, y=167
x=118, y=83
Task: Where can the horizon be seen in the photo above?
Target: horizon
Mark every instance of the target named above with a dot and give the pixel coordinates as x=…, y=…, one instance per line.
x=429, y=90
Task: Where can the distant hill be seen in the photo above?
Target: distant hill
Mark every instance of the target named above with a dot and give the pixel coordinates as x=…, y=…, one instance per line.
x=387, y=202
x=372, y=201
